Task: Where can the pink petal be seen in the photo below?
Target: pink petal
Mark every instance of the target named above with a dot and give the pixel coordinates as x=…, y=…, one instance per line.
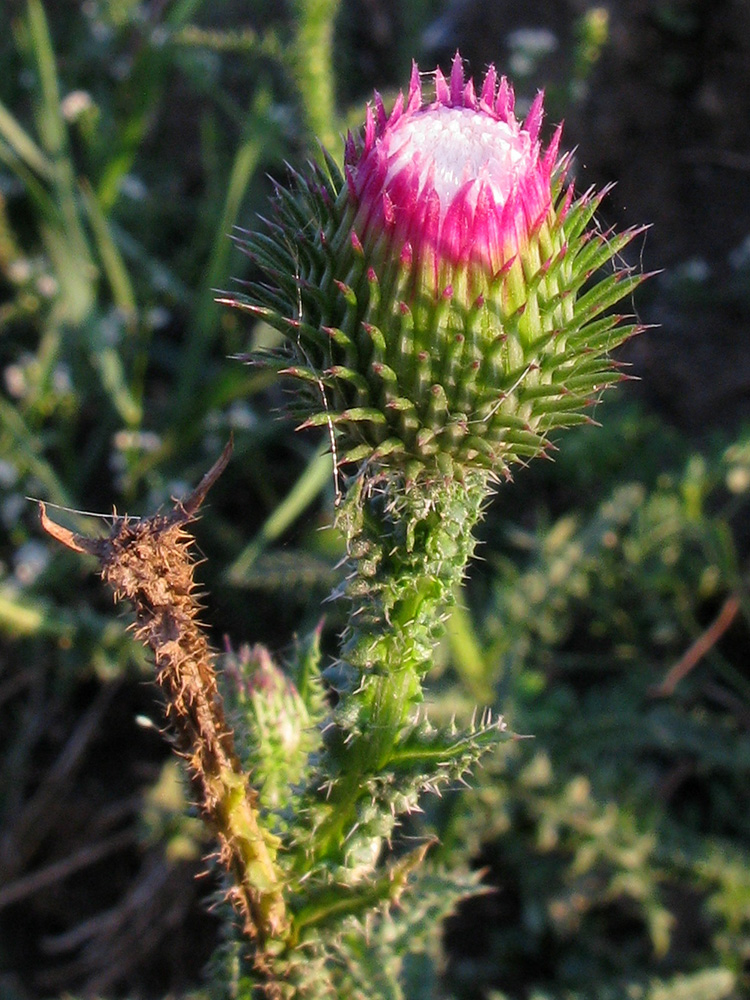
x=442, y=94
x=398, y=109
x=487, y=99
x=534, y=118
x=415, y=90
x=369, y=129
x=505, y=100
x=382, y=118
x=457, y=81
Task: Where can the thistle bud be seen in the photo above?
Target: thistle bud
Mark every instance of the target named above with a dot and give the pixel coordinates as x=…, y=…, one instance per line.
x=267, y=710
x=441, y=296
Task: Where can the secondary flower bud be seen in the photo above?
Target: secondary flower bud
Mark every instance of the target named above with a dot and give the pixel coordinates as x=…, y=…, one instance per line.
x=440, y=297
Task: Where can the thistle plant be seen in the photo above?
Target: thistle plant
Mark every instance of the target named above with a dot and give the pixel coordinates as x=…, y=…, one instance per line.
x=445, y=304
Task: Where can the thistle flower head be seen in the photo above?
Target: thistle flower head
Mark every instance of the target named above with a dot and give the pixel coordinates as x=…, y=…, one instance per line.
x=456, y=185
x=443, y=296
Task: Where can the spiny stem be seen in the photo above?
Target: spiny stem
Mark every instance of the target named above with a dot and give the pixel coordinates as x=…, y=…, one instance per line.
x=410, y=544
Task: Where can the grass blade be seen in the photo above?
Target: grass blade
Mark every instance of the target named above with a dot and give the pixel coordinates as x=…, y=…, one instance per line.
x=317, y=473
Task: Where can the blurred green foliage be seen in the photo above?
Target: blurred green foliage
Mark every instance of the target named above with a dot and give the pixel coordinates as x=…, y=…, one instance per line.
x=617, y=839
x=133, y=137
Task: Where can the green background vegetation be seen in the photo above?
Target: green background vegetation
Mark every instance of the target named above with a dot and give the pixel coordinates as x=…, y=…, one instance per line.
x=133, y=138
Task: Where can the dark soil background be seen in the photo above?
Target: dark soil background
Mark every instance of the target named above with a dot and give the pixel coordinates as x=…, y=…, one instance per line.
x=666, y=114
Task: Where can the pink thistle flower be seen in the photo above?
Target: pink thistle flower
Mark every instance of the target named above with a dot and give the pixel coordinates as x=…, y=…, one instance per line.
x=459, y=183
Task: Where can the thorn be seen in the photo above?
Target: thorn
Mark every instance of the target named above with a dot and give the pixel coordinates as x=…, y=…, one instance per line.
x=190, y=506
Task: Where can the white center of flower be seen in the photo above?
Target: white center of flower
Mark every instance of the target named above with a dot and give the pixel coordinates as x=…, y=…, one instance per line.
x=460, y=145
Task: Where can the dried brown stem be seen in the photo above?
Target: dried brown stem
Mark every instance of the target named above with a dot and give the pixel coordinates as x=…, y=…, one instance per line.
x=705, y=642
x=149, y=563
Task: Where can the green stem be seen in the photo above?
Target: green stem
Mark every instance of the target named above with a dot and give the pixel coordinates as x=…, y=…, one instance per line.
x=410, y=544
x=312, y=66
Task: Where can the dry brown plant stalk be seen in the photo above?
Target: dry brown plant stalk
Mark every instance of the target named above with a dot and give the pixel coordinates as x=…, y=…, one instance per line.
x=150, y=563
